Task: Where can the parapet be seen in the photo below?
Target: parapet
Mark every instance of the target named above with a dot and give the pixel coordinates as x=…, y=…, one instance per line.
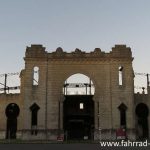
x=35, y=51
x=38, y=51
x=121, y=51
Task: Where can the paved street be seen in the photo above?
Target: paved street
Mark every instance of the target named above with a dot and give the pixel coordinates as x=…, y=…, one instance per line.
x=65, y=147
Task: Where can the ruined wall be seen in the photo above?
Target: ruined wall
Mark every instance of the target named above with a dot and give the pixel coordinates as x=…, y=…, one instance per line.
x=142, y=99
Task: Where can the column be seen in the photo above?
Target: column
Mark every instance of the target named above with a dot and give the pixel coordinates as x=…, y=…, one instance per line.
x=96, y=114
x=61, y=115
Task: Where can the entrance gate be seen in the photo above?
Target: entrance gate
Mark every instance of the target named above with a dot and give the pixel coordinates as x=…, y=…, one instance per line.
x=79, y=116
x=79, y=108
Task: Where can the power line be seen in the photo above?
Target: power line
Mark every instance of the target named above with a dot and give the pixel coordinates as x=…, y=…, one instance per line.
x=10, y=88
x=143, y=74
x=140, y=87
x=2, y=75
x=17, y=73
x=10, y=74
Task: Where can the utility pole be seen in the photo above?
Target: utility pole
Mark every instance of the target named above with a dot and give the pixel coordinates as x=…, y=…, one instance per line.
x=99, y=125
x=147, y=83
x=99, y=128
x=90, y=85
x=5, y=84
x=147, y=79
x=66, y=88
x=86, y=87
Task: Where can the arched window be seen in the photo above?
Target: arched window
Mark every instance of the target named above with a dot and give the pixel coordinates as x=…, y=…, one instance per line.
x=142, y=112
x=122, y=108
x=120, y=75
x=12, y=112
x=34, y=118
x=36, y=76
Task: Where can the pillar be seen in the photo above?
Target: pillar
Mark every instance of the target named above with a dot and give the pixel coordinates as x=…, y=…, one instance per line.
x=96, y=117
x=61, y=115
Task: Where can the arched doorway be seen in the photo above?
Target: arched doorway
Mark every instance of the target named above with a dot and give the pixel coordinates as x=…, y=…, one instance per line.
x=34, y=118
x=78, y=107
x=142, y=113
x=12, y=112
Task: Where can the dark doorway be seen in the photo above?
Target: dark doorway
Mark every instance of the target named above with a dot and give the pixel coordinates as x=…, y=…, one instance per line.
x=122, y=108
x=12, y=112
x=78, y=117
x=34, y=118
x=142, y=113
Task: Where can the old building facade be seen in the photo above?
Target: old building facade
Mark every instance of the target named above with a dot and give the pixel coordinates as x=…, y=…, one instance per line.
x=44, y=111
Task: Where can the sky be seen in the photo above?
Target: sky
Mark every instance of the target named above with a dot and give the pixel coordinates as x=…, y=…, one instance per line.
x=71, y=24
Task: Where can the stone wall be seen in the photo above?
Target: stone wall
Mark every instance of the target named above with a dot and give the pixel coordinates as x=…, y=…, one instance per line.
x=5, y=100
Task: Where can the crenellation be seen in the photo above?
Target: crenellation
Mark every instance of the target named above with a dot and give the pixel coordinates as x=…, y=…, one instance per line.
x=117, y=51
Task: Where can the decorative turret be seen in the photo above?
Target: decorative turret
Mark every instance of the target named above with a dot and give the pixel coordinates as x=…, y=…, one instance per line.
x=35, y=51
x=121, y=51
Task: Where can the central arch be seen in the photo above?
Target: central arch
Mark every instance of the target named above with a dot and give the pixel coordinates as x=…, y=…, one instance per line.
x=78, y=108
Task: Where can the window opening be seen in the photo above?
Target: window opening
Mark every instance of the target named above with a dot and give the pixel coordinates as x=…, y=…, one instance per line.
x=122, y=109
x=81, y=105
x=120, y=75
x=36, y=76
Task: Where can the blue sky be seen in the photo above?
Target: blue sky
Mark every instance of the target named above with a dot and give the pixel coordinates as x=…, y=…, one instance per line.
x=70, y=24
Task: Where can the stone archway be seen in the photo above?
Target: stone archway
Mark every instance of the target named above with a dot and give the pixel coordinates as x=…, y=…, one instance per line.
x=12, y=112
x=78, y=114
x=142, y=113
x=55, y=67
